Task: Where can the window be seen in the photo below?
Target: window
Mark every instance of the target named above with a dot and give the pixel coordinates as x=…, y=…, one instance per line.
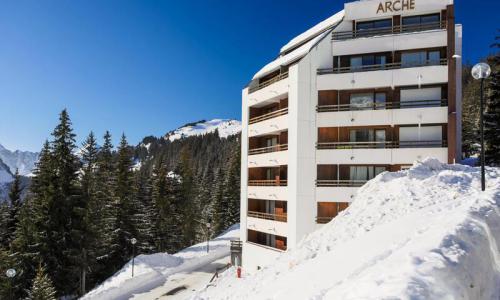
x=380, y=100
x=423, y=97
x=420, y=58
x=273, y=141
x=361, y=135
x=380, y=138
x=365, y=28
x=413, y=59
x=356, y=63
x=420, y=136
x=361, y=101
x=421, y=22
x=364, y=173
x=376, y=61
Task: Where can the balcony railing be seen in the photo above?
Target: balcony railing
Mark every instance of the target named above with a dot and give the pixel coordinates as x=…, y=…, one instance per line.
x=272, y=182
x=380, y=67
x=382, y=145
x=266, y=216
x=347, y=35
x=339, y=183
x=271, y=115
x=323, y=220
x=268, y=82
x=277, y=248
x=275, y=148
x=382, y=106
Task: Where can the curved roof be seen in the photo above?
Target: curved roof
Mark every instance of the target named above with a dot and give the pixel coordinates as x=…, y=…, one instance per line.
x=300, y=45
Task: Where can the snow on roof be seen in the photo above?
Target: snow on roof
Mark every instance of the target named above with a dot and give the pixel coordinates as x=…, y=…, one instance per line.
x=315, y=34
x=320, y=27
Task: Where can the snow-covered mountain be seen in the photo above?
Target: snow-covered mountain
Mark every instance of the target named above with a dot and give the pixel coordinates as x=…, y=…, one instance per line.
x=425, y=233
x=225, y=128
x=5, y=174
x=23, y=160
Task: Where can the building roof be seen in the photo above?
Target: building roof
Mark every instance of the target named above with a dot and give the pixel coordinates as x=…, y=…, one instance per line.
x=300, y=45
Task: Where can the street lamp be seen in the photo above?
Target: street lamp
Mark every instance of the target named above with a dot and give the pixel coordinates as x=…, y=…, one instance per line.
x=10, y=273
x=482, y=71
x=208, y=235
x=133, y=241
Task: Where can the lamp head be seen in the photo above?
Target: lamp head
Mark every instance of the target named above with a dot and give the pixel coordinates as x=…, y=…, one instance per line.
x=133, y=241
x=10, y=273
x=481, y=71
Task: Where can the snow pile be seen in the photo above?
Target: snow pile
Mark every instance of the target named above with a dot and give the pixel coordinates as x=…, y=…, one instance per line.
x=23, y=160
x=225, y=128
x=152, y=271
x=425, y=233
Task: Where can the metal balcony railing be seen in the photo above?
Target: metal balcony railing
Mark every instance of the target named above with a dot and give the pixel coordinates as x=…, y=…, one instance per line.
x=275, y=148
x=268, y=82
x=382, y=145
x=382, y=67
x=266, y=216
x=271, y=115
x=272, y=182
x=339, y=183
x=382, y=105
x=397, y=29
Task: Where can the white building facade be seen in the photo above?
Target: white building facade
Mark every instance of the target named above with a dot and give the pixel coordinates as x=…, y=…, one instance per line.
x=375, y=87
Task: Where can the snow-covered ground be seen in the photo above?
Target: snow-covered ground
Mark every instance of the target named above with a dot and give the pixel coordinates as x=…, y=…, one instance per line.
x=151, y=272
x=425, y=233
x=225, y=128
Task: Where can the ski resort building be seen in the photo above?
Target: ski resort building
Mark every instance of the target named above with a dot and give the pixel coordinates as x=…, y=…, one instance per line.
x=373, y=88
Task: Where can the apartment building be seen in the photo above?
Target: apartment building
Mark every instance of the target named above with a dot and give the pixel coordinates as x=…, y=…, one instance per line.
x=373, y=88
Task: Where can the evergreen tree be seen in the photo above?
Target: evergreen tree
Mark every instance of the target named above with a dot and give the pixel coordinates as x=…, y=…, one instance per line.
x=42, y=288
x=89, y=211
x=189, y=210
x=125, y=210
x=492, y=114
x=231, y=191
x=219, y=206
x=66, y=210
x=5, y=221
x=470, y=113
x=107, y=248
x=9, y=213
x=145, y=214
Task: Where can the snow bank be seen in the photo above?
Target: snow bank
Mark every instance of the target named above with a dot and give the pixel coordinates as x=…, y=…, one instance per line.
x=425, y=233
x=152, y=271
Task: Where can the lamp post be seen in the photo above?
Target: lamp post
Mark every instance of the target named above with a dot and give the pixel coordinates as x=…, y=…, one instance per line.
x=10, y=273
x=482, y=71
x=208, y=235
x=133, y=241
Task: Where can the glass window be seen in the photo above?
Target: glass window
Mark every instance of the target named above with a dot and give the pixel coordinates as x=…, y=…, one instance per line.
x=362, y=101
x=380, y=138
x=271, y=141
x=361, y=135
x=358, y=173
x=368, y=60
x=434, y=57
x=356, y=63
x=411, y=20
x=379, y=170
x=429, y=19
x=380, y=100
x=382, y=23
x=412, y=59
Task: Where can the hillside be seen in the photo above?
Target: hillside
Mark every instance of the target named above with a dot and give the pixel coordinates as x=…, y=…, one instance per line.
x=425, y=233
x=22, y=160
x=224, y=127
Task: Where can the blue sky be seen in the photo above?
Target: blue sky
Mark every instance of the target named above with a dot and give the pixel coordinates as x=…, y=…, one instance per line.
x=146, y=67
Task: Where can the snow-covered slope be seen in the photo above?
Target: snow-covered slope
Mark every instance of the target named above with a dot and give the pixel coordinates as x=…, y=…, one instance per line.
x=425, y=233
x=23, y=160
x=225, y=128
x=152, y=271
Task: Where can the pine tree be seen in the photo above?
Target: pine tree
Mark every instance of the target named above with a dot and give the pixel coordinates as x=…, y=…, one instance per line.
x=107, y=248
x=66, y=209
x=42, y=288
x=9, y=214
x=185, y=171
x=231, y=190
x=125, y=210
x=219, y=206
x=470, y=113
x=144, y=215
x=492, y=114
x=89, y=211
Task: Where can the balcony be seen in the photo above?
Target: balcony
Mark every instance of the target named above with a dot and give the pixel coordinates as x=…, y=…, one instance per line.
x=270, y=241
x=268, y=182
x=398, y=29
x=382, y=67
x=266, y=216
x=383, y=106
x=340, y=183
x=329, y=210
x=382, y=145
x=268, y=82
x=275, y=148
x=267, y=116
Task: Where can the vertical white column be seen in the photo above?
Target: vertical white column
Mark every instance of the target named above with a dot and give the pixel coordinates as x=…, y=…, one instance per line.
x=244, y=167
